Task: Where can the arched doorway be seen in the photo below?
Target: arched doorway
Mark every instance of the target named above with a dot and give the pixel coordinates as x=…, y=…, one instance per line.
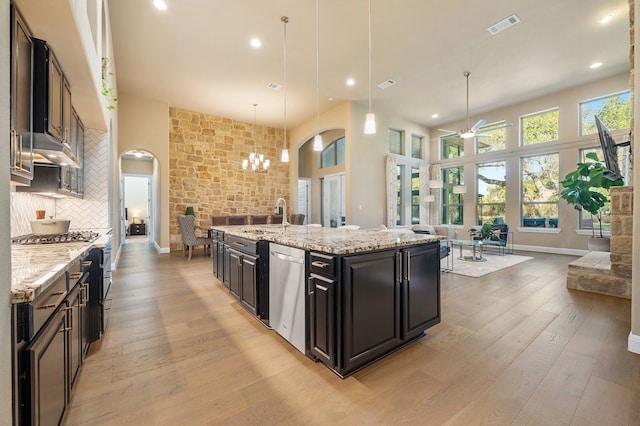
x=137, y=213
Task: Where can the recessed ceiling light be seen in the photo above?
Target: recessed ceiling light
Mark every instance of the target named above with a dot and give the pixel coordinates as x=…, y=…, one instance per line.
x=595, y=65
x=350, y=82
x=329, y=99
x=160, y=4
x=435, y=116
x=255, y=42
x=605, y=18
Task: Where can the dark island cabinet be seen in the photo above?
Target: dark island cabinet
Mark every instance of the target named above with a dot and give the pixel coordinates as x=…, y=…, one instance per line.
x=246, y=269
x=371, y=307
x=322, y=319
x=421, y=290
x=363, y=306
x=235, y=277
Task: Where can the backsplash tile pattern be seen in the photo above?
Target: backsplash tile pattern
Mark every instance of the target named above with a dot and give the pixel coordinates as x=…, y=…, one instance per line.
x=23, y=210
x=92, y=211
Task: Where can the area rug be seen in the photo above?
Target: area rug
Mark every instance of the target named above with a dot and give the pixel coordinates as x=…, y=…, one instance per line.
x=494, y=263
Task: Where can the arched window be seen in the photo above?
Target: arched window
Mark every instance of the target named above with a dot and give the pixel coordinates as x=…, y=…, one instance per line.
x=333, y=154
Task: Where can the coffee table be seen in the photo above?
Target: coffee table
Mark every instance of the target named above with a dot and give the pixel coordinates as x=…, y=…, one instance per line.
x=475, y=246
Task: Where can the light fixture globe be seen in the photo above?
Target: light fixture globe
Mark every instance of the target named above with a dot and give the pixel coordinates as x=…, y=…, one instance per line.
x=284, y=157
x=317, y=142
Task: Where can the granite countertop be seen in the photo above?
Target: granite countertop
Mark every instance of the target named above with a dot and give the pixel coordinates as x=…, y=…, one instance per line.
x=35, y=267
x=329, y=240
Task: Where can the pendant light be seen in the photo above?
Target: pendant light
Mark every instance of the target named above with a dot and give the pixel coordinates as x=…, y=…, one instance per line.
x=255, y=162
x=284, y=157
x=317, y=140
x=370, y=121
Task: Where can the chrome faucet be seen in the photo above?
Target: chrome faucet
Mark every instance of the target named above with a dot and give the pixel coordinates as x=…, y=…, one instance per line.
x=284, y=211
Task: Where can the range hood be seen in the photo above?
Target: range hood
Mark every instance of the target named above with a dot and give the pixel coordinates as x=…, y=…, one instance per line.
x=48, y=150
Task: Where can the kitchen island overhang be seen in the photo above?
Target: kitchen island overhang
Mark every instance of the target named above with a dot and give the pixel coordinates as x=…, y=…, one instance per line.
x=367, y=292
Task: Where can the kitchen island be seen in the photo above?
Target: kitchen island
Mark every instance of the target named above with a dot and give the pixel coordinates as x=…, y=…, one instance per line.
x=366, y=292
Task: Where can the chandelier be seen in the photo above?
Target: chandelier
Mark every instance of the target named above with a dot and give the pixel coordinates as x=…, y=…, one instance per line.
x=255, y=162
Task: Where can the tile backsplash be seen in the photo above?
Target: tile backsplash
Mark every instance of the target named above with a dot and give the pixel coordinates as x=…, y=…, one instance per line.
x=92, y=211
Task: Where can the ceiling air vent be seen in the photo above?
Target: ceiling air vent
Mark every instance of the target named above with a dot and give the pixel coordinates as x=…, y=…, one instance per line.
x=386, y=83
x=274, y=86
x=503, y=25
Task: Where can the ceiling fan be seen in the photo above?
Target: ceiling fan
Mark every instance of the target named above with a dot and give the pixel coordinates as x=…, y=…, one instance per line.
x=470, y=131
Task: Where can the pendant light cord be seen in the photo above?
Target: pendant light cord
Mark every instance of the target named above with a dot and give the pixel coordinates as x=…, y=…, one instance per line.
x=285, y=20
x=369, y=55
x=318, y=65
x=255, y=121
x=467, y=74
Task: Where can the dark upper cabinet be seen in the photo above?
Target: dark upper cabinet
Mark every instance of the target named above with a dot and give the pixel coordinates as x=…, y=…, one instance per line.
x=21, y=154
x=52, y=94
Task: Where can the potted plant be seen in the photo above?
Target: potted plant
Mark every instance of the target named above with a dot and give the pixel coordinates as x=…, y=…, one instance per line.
x=583, y=188
x=485, y=233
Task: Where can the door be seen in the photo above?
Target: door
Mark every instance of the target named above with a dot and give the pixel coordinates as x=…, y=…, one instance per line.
x=333, y=200
x=303, y=204
x=371, y=294
x=421, y=289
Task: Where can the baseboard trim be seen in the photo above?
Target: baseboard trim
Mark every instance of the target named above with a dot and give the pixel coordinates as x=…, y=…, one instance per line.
x=161, y=250
x=634, y=343
x=554, y=250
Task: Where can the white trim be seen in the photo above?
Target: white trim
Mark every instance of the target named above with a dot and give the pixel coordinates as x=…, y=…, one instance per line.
x=539, y=230
x=554, y=250
x=634, y=343
x=161, y=250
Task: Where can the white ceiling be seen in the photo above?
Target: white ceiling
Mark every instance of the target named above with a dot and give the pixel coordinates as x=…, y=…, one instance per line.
x=196, y=54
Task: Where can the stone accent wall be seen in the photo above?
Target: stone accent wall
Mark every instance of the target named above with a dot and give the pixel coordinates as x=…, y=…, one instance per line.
x=609, y=273
x=205, y=168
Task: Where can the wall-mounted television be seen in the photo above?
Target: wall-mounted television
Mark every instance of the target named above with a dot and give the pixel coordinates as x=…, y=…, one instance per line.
x=609, y=150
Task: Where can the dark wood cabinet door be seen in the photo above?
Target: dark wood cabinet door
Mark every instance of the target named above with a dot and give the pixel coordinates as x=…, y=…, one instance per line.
x=235, y=283
x=216, y=255
x=55, y=126
x=371, y=303
x=421, y=289
x=74, y=324
x=249, y=283
x=322, y=319
x=226, y=266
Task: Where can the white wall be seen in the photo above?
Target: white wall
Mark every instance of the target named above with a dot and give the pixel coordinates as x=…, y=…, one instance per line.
x=144, y=125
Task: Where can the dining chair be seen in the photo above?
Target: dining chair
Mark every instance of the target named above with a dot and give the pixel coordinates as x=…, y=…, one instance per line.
x=189, y=238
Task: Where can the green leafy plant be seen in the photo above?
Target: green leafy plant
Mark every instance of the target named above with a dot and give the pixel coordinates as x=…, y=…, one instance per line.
x=580, y=188
x=108, y=91
x=486, y=232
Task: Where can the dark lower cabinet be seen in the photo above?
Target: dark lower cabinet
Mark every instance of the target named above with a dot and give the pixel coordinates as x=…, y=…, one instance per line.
x=322, y=318
x=226, y=267
x=421, y=290
x=363, y=306
x=371, y=307
x=249, y=287
x=45, y=392
x=235, y=277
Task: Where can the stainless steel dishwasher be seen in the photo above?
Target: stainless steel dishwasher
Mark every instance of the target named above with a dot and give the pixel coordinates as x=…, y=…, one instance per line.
x=286, y=294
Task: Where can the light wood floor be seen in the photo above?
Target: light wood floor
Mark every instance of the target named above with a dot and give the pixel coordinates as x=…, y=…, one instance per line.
x=514, y=347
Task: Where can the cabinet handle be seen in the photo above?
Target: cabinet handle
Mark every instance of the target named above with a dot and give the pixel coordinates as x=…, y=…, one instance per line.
x=408, y=266
x=310, y=286
x=85, y=295
x=86, y=263
x=239, y=244
x=321, y=287
x=61, y=296
x=319, y=264
x=13, y=149
x=20, y=152
x=70, y=310
x=75, y=276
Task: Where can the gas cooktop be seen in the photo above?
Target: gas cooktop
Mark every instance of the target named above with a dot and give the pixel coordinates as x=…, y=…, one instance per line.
x=69, y=237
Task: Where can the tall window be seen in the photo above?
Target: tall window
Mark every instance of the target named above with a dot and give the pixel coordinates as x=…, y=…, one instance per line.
x=333, y=154
x=613, y=110
x=452, y=204
x=585, y=221
x=395, y=142
x=492, y=194
x=540, y=127
x=415, y=195
x=540, y=190
x=451, y=146
x=416, y=146
x=400, y=197
x=492, y=137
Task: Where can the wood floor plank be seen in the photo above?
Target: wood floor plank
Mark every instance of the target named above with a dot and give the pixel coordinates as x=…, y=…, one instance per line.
x=513, y=347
